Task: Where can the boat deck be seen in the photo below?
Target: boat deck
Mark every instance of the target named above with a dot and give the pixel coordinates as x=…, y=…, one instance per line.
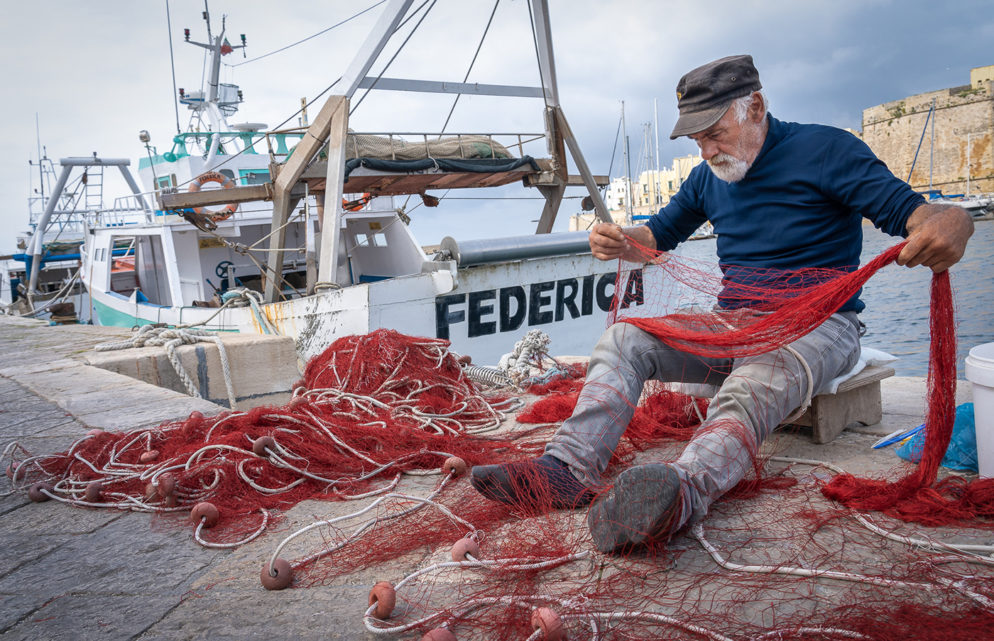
x=70, y=573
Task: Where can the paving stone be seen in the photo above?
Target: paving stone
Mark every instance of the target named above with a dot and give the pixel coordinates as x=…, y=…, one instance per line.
x=309, y=614
x=20, y=548
x=126, y=556
x=71, y=617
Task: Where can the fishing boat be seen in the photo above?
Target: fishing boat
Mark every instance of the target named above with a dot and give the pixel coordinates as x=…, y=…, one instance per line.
x=296, y=231
x=51, y=241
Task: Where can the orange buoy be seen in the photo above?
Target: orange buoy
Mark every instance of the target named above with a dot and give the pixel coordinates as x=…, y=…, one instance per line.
x=37, y=492
x=546, y=620
x=358, y=203
x=206, y=512
x=278, y=577
x=454, y=466
x=263, y=443
x=225, y=182
x=93, y=491
x=385, y=598
x=465, y=546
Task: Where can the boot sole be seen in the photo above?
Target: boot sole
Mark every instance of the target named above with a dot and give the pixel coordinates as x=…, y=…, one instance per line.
x=638, y=510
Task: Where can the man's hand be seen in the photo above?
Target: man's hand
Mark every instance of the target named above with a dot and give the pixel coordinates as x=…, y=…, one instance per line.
x=937, y=236
x=608, y=241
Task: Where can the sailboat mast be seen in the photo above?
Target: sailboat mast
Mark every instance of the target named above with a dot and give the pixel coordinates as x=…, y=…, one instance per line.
x=655, y=129
x=628, y=166
x=931, y=148
x=41, y=167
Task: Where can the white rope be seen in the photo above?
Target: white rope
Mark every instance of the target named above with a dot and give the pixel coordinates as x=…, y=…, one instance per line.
x=930, y=544
x=170, y=339
x=527, y=352
x=227, y=546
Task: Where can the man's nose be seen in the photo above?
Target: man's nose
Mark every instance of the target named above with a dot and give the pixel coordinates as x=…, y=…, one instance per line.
x=708, y=149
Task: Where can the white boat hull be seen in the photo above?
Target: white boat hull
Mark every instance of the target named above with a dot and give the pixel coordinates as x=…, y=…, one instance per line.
x=482, y=310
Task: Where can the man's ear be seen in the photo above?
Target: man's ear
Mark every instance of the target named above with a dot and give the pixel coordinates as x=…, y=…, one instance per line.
x=757, y=110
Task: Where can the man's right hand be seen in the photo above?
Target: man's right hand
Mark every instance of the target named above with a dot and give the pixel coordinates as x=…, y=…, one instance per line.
x=609, y=241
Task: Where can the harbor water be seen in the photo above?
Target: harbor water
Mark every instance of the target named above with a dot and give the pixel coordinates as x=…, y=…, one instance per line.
x=897, y=299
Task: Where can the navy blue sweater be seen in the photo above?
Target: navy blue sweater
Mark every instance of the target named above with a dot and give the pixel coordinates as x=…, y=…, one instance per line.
x=800, y=205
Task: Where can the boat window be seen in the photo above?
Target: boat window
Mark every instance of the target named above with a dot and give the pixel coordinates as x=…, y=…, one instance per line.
x=228, y=173
x=254, y=176
x=122, y=265
x=133, y=267
x=376, y=240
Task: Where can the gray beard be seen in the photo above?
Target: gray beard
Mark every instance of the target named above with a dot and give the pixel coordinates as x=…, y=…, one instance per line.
x=728, y=168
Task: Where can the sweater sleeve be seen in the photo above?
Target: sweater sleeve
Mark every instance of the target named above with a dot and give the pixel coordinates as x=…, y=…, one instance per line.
x=681, y=216
x=853, y=175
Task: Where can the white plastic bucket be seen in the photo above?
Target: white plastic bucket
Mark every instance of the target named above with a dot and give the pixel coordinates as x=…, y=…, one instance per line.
x=980, y=372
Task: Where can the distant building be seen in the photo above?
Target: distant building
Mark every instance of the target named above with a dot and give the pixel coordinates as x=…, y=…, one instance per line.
x=651, y=191
x=962, y=159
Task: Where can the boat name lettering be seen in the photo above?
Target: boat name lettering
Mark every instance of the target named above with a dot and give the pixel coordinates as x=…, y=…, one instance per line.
x=490, y=311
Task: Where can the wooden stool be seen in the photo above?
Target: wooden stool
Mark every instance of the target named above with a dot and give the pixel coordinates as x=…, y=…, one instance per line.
x=856, y=401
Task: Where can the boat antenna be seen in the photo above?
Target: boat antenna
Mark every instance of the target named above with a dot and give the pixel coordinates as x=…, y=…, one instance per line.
x=172, y=66
x=41, y=168
x=207, y=19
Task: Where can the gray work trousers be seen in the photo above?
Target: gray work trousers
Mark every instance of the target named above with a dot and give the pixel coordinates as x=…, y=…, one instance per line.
x=757, y=393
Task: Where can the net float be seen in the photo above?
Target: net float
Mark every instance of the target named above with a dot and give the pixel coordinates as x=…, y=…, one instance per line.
x=454, y=466
x=439, y=634
x=465, y=546
x=148, y=456
x=263, y=443
x=205, y=512
x=37, y=492
x=93, y=491
x=385, y=598
x=277, y=577
x=546, y=620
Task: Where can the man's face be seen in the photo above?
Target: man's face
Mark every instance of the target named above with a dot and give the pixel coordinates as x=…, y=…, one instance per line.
x=729, y=146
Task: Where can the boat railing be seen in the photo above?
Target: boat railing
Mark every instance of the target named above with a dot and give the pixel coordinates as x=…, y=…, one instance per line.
x=276, y=143
x=126, y=210
x=281, y=143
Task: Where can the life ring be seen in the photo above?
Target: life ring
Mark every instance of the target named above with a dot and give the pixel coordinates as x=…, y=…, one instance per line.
x=225, y=182
x=358, y=203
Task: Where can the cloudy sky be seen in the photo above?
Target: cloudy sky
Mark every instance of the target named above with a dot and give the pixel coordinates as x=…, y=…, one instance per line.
x=97, y=72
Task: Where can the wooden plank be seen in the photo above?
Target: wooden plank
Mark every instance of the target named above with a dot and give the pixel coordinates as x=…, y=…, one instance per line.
x=553, y=198
x=577, y=181
x=191, y=199
x=435, y=86
x=858, y=400
x=868, y=375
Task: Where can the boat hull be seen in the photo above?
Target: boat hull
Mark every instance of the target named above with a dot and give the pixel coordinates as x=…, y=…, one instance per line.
x=483, y=310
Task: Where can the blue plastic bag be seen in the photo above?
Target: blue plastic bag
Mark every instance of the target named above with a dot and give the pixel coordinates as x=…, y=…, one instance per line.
x=962, y=451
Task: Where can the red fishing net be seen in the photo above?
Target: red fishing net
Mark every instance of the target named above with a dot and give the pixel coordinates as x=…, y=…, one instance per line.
x=786, y=554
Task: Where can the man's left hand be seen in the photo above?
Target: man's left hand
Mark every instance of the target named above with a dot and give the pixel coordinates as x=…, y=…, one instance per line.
x=937, y=237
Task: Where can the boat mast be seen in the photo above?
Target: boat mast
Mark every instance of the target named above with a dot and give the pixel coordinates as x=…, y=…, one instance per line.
x=628, y=168
x=211, y=105
x=931, y=149
x=655, y=129
x=41, y=167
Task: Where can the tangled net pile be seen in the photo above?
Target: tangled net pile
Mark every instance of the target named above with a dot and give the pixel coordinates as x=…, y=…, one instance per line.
x=787, y=554
x=369, y=409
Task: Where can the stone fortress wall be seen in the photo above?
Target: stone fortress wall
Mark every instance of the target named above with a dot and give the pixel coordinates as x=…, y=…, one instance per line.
x=964, y=136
